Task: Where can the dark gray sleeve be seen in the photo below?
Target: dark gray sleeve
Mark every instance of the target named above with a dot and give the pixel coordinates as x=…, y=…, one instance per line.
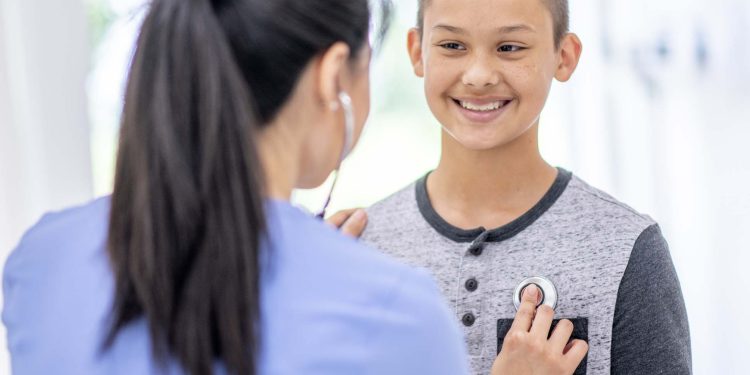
x=650, y=333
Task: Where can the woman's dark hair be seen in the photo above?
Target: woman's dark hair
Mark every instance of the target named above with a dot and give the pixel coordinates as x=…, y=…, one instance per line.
x=187, y=212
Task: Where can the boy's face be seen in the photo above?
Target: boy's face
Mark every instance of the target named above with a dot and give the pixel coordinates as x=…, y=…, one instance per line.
x=488, y=66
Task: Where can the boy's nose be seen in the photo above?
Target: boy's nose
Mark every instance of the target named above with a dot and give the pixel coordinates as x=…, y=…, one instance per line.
x=481, y=74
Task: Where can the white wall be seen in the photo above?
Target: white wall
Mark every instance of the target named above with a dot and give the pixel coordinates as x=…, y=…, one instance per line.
x=664, y=90
x=44, y=133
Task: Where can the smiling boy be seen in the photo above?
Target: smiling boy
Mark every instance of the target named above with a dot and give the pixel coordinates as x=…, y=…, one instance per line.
x=494, y=213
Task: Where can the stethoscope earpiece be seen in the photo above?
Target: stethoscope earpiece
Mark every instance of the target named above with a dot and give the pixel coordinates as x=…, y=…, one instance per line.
x=546, y=287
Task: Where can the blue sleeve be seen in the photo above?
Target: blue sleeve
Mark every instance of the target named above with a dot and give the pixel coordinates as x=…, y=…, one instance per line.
x=24, y=283
x=56, y=284
x=418, y=335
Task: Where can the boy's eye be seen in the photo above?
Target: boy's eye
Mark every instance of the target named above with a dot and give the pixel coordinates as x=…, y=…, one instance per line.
x=510, y=48
x=452, y=46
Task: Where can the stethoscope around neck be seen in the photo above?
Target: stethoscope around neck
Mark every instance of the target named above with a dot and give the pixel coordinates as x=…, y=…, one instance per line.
x=345, y=101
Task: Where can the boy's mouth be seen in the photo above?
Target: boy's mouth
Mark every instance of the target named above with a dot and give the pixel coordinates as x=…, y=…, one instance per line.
x=482, y=110
x=482, y=106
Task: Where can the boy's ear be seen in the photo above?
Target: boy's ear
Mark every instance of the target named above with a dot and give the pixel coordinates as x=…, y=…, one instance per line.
x=570, y=54
x=414, y=44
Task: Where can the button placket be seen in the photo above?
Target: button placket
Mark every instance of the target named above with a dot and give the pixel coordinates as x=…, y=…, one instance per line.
x=470, y=296
x=476, y=249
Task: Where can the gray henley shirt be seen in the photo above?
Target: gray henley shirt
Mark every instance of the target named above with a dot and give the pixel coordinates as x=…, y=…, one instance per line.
x=611, y=267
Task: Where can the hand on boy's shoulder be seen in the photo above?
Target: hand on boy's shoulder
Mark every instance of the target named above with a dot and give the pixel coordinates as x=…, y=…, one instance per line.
x=350, y=222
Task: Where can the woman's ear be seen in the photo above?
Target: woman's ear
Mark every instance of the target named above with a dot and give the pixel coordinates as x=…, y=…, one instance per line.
x=569, y=54
x=331, y=72
x=414, y=45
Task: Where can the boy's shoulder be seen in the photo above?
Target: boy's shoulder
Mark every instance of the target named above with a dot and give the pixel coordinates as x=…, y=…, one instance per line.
x=395, y=203
x=396, y=214
x=581, y=198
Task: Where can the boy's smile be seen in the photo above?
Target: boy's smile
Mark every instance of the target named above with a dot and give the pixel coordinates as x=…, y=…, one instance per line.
x=488, y=66
x=482, y=109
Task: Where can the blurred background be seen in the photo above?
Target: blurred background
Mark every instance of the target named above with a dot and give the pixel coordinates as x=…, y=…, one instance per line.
x=657, y=115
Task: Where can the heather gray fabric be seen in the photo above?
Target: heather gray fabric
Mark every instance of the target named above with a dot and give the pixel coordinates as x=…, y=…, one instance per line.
x=577, y=236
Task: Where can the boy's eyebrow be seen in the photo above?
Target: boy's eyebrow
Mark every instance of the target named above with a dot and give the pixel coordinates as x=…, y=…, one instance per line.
x=516, y=28
x=502, y=30
x=453, y=29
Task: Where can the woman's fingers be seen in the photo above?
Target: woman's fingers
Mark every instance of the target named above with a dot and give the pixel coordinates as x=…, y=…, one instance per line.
x=561, y=336
x=338, y=219
x=542, y=323
x=527, y=348
x=351, y=222
x=574, y=353
x=527, y=309
x=355, y=225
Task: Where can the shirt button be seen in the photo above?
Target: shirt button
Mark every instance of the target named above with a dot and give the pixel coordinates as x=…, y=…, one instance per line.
x=476, y=249
x=471, y=284
x=468, y=319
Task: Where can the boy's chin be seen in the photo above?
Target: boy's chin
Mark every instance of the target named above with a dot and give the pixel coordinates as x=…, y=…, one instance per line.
x=491, y=137
x=479, y=142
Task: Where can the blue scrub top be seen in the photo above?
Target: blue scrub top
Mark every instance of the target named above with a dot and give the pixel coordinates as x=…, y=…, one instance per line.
x=330, y=305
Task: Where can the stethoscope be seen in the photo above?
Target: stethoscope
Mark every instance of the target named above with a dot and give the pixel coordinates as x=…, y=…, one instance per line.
x=548, y=295
x=346, y=104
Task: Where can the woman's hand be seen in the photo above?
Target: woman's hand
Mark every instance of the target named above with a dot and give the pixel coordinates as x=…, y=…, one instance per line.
x=351, y=222
x=526, y=349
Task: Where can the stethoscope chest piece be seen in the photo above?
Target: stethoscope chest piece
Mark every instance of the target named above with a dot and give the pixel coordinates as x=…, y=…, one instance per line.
x=549, y=292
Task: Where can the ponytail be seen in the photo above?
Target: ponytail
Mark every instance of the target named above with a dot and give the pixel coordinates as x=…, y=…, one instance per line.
x=187, y=209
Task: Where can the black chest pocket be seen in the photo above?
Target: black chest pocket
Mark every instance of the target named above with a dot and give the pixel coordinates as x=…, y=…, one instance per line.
x=580, y=331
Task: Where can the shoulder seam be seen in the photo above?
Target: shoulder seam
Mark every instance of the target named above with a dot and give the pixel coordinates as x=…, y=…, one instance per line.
x=591, y=191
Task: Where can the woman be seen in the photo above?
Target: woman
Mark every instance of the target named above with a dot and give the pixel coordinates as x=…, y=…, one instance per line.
x=197, y=263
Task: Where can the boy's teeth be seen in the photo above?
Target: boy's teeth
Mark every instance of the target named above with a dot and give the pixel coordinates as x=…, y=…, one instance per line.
x=484, y=107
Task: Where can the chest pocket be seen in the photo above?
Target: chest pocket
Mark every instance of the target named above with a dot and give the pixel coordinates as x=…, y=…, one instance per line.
x=580, y=331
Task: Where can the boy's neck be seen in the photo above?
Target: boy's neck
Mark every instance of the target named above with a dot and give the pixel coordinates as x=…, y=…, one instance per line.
x=489, y=188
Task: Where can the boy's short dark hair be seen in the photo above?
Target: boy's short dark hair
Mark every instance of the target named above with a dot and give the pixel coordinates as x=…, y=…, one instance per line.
x=558, y=8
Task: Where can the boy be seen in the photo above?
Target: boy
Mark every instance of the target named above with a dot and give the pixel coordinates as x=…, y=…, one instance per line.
x=487, y=67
